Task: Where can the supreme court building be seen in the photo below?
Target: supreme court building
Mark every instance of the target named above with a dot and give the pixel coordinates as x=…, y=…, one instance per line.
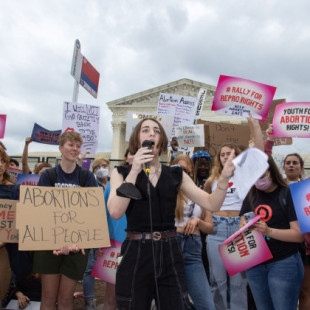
x=146, y=101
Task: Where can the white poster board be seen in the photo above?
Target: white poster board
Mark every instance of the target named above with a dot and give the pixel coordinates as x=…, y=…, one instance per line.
x=84, y=119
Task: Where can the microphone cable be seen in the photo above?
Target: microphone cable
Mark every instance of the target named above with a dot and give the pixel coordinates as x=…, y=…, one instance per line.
x=148, y=144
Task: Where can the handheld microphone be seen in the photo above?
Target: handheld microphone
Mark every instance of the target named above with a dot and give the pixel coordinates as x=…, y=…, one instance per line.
x=148, y=144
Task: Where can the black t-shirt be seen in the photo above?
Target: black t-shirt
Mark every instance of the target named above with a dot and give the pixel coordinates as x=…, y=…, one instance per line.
x=163, y=200
x=276, y=215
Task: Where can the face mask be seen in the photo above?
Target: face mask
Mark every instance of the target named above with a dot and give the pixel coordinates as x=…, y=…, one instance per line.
x=263, y=183
x=102, y=173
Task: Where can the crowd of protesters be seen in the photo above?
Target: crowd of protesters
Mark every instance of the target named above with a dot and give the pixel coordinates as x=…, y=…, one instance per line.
x=172, y=218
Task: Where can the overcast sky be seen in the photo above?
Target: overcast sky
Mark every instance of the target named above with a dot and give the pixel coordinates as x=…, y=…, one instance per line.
x=137, y=45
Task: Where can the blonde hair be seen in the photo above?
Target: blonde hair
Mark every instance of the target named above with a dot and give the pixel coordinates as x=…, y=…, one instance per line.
x=218, y=167
x=70, y=136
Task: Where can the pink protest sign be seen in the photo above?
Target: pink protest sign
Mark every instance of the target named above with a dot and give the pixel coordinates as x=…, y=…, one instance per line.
x=239, y=97
x=244, y=249
x=105, y=266
x=2, y=125
x=292, y=119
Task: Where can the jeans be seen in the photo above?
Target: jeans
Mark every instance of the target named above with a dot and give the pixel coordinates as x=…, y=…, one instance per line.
x=139, y=268
x=275, y=286
x=224, y=227
x=88, y=280
x=197, y=282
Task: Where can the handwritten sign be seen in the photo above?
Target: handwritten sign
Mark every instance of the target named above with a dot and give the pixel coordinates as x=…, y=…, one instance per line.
x=133, y=118
x=2, y=125
x=300, y=192
x=49, y=217
x=292, y=119
x=244, y=249
x=183, y=108
x=28, y=179
x=239, y=97
x=200, y=102
x=106, y=265
x=42, y=135
x=218, y=133
x=190, y=135
x=84, y=119
x=8, y=231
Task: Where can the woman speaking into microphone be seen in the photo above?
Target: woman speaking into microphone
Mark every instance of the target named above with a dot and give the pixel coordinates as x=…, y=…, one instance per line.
x=151, y=263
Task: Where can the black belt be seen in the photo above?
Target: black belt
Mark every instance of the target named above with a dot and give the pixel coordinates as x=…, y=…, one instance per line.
x=156, y=235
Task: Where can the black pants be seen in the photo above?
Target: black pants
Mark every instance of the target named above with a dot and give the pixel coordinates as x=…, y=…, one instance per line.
x=135, y=277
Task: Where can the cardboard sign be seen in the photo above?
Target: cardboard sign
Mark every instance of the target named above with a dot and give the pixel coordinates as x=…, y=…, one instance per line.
x=244, y=249
x=42, y=135
x=8, y=231
x=106, y=265
x=28, y=179
x=49, y=217
x=190, y=135
x=292, y=119
x=183, y=108
x=218, y=133
x=84, y=119
x=2, y=125
x=133, y=118
x=239, y=97
x=300, y=192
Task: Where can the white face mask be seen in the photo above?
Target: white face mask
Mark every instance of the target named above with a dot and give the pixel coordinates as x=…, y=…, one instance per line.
x=102, y=173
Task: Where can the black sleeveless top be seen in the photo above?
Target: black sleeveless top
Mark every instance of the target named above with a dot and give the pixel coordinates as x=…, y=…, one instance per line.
x=163, y=200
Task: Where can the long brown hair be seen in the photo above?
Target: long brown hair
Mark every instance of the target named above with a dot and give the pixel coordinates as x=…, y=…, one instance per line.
x=6, y=158
x=217, y=166
x=134, y=141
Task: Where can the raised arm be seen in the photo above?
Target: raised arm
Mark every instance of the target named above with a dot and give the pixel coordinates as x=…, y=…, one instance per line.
x=25, y=165
x=256, y=133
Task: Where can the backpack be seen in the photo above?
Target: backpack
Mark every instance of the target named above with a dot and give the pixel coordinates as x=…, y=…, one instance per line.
x=52, y=174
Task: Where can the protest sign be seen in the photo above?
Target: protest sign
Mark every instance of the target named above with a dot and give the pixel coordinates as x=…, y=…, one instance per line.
x=239, y=97
x=2, y=125
x=49, y=217
x=200, y=101
x=86, y=163
x=8, y=231
x=244, y=249
x=89, y=78
x=84, y=119
x=106, y=265
x=42, y=135
x=300, y=192
x=244, y=174
x=264, y=125
x=190, y=135
x=14, y=172
x=133, y=118
x=218, y=133
x=183, y=108
x=292, y=119
x=28, y=179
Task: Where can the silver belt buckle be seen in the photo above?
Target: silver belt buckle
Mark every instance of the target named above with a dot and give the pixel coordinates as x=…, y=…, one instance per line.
x=156, y=235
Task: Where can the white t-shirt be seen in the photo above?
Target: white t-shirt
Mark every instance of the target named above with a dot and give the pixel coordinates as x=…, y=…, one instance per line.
x=232, y=201
x=191, y=210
